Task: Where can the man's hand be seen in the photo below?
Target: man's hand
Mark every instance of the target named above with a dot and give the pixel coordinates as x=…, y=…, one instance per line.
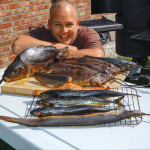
x=70, y=48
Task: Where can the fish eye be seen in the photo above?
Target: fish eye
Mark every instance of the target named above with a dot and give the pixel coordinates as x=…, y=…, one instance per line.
x=128, y=66
x=15, y=71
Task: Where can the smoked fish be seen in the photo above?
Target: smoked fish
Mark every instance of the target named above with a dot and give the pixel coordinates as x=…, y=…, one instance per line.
x=72, y=110
x=80, y=93
x=70, y=101
x=52, y=80
x=76, y=120
x=123, y=65
x=33, y=59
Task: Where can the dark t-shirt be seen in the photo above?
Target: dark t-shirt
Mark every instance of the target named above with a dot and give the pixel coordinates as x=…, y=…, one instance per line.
x=86, y=37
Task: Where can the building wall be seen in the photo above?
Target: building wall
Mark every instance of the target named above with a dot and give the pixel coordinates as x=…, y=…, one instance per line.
x=16, y=16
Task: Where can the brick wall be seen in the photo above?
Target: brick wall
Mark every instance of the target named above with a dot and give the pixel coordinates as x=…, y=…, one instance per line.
x=16, y=16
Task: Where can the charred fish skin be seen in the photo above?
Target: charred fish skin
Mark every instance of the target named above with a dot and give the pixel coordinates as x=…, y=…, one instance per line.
x=93, y=65
x=15, y=71
x=80, y=93
x=72, y=110
x=77, y=72
x=74, y=120
x=69, y=101
x=39, y=54
x=30, y=60
x=101, y=78
x=124, y=65
x=51, y=80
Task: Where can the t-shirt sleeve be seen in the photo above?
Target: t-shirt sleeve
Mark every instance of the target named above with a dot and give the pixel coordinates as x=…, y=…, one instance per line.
x=36, y=32
x=90, y=39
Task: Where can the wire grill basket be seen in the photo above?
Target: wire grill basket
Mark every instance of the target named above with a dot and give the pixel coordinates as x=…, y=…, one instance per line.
x=131, y=103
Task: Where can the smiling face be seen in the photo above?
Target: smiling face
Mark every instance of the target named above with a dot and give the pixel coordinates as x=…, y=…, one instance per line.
x=64, y=24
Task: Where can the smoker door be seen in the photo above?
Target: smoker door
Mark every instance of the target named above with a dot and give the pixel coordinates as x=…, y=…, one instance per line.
x=106, y=6
x=136, y=14
x=128, y=47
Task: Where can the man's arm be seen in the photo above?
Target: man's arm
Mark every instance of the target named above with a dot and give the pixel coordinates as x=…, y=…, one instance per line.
x=24, y=41
x=96, y=52
x=74, y=52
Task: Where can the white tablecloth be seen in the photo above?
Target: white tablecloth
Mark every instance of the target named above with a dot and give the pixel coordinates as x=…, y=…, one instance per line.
x=90, y=138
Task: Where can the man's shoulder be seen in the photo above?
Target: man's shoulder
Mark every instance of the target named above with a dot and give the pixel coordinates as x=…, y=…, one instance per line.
x=85, y=29
x=39, y=27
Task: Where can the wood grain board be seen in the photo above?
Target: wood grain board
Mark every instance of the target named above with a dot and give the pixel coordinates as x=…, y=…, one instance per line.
x=28, y=85
x=23, y=87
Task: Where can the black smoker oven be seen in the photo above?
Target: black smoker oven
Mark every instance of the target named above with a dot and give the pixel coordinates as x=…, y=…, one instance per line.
x=134, y=39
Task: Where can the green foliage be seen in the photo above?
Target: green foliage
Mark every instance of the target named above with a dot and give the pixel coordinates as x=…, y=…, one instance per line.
x=125, y=58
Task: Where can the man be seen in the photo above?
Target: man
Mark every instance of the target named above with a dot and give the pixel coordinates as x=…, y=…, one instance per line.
x=63, y=30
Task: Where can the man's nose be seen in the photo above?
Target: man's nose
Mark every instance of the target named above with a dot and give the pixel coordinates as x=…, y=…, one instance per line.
x=64, y=29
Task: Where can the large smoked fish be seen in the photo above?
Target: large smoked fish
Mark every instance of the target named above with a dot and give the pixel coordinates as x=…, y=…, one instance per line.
x=33, y=59
x=124, y=65
x=76, y=120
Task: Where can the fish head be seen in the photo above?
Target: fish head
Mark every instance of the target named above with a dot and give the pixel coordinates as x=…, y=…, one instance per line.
x=41, y=103
x=100, y=78
x=63, y=54
x=15, y=71
x=129, y=65
x=36, y=113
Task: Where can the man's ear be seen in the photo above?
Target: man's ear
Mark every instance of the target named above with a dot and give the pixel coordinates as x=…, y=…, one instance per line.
x=49, y=24
x=78, y=22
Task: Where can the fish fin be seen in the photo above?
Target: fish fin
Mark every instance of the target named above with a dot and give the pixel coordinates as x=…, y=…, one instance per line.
x=48, y=64
x=38, y=92
x=1, y=80
x=63, y=54
x=118, y=101
x=5, y=118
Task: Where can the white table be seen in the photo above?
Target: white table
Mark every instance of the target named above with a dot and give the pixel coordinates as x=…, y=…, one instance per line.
x=92, y=138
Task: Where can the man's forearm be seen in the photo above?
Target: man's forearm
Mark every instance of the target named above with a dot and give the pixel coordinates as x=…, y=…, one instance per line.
x=23, y=42
x=96, y=52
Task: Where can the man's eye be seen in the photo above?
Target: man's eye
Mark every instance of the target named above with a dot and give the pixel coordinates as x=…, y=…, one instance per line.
x=57, y=24
x=69, y=25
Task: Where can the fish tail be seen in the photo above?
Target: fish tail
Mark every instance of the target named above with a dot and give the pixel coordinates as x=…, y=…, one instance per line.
x=118, y=101
x=38, y=92
x=23, y=121
x=1, y=81
x=8, y=119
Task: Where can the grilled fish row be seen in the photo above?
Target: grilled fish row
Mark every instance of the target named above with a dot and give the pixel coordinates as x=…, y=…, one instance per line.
x=85, y=71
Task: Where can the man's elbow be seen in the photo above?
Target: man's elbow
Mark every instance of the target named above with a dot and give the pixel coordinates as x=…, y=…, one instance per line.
x=100, y=53
x=16, y=46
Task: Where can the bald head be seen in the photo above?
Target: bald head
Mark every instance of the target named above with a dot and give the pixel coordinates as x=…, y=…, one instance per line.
x=62, y=6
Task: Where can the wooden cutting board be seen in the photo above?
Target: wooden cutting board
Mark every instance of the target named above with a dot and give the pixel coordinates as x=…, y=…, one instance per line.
x=28, y=85
x=23, y=87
